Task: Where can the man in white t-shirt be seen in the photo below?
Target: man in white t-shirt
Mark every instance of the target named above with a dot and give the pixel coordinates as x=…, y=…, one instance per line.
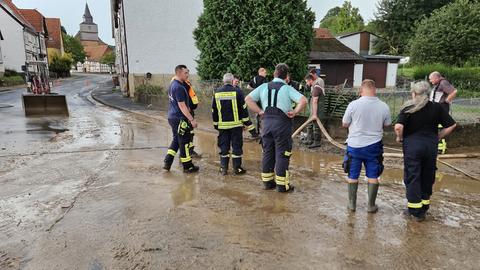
x=365, y=119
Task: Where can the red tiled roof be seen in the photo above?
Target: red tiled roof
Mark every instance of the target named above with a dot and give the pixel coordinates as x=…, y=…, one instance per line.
x=95, y=50
x=35, y=18
x=18, y=15
x=323, y=33
x=54, y=28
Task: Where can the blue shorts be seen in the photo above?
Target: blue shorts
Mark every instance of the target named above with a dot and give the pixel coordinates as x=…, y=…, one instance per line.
x=371, y=156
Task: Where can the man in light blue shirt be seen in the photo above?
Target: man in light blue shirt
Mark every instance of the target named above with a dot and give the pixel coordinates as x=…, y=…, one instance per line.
x=276, y=99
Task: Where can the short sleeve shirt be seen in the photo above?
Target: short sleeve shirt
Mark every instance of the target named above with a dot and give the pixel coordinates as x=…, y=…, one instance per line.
x=318, y=88
x=441, y=91
x=425, y=121
x=366, y=118
x=176, y=93
x=286, y=96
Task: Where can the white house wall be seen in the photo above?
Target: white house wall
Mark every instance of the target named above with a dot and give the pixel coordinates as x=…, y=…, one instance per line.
x=159, y=35
x=353, y=42
x=13, y=46
x=357, y=75
x=392, y=69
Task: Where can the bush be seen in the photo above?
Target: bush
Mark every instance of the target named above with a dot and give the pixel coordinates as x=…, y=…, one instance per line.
x=450, y=35
x=149, y=90
x=10, y=73
x=465, y=79
x=61, y=65
x=11, y=80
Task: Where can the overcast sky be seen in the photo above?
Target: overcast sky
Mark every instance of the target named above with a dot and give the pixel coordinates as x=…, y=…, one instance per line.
x=71, y=11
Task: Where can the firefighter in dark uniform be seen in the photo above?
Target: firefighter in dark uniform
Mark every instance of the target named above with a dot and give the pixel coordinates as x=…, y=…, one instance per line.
x=181, y=121
x=258, y=80
x=417, y=129
x=230, y=115
x=276, y=100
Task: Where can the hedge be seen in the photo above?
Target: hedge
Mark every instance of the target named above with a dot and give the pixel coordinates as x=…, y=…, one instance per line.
x=465, y=79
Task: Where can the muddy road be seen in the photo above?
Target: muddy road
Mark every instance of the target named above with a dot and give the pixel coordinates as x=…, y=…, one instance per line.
x=89, y=192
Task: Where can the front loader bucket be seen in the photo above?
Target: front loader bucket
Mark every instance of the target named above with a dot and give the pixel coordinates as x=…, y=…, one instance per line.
x=45, y=105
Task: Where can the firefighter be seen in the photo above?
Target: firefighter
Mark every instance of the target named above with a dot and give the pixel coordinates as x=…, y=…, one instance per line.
x=443, y=93
x=181, y=121
x=276, y=111
x=365, y=119
x=417, y=129
x=317, y=97
x=193, y=104
x=230, y=115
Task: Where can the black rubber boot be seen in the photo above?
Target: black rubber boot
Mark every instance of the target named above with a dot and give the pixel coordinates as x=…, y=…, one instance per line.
x=239, y=171
x=372, y=196
x=352, y=196
x=167, y=163
x=416, y=215
x=188, y=167
x=223, y=171
x=317, y=139
x=269, y=185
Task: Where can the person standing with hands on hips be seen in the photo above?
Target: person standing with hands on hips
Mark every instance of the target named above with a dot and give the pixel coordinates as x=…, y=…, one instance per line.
x=276, y=112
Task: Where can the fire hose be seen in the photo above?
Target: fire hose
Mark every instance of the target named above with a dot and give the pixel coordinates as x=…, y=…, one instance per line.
x=390, y=155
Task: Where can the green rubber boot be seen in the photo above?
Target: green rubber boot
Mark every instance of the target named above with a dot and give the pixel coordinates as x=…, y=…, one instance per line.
x=352, y=196
x=372, y=196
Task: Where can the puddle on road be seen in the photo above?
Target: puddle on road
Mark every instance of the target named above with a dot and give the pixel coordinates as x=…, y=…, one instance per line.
x=46, y=127
x=309, y=165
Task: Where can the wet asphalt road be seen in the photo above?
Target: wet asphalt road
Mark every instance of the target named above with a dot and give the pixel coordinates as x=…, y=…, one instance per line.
x=88, y=202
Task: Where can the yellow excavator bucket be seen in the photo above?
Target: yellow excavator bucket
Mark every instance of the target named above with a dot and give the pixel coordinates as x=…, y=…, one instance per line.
x=51, y=104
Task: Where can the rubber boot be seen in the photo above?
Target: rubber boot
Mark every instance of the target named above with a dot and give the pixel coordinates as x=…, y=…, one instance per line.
x=268, y=185
x=309, y=139
x=237, y=166
x=188, y=167
x=224, y=165
x=372, y=196
x=411, y=213
x=317, y=138
x=352, y=196
x=167, y=163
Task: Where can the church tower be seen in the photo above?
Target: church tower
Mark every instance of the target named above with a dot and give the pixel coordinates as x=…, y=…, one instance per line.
x=88, y=29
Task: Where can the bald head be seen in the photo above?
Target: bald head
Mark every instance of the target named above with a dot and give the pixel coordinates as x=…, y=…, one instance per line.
x=368, y=89
x=435, y=77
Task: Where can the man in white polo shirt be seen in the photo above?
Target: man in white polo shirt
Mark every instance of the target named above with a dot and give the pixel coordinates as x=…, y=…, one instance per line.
x=365, y=119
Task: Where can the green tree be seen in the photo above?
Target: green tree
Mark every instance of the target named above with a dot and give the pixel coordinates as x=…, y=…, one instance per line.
x=61, y=64
x=343, y=19
x=451, y=35
x=108, y=59
x=73, y=46
x=242, y=35
x=395, y=22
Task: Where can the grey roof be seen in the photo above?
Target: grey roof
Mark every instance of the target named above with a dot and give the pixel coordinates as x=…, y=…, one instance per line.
x=332, y=49
x=87, y=16
x=355, y=33
x=383, y=57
